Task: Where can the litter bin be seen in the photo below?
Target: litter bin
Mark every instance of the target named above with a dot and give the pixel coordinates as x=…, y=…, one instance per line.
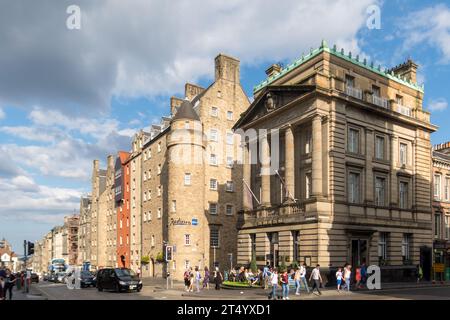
x=447, y=274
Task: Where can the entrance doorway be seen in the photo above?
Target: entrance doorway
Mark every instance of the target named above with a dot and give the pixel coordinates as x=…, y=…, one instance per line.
x=359, y=252
x=425, y=262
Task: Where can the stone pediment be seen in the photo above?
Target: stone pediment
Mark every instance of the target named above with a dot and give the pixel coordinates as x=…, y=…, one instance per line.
x=272, y=98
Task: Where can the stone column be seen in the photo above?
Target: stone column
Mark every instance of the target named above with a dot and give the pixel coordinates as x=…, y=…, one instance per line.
x=393, y=196
x=289, y=166
x=247, y=175
x=370, y=145
x=316, y=156
x=265, y=170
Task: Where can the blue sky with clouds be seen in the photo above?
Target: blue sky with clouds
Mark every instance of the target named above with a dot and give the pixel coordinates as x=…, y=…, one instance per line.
x=68, y=97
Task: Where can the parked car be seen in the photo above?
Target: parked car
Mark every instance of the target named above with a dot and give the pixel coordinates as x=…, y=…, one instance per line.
x=34, y=278
x=45, y=277
x=118, y=279
x=87, y=279
x=60, y=277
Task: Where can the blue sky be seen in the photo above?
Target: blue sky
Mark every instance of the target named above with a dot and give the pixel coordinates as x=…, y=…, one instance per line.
x=68, y=97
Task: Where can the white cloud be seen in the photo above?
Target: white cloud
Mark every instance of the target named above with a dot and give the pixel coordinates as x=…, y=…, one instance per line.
x=156, y=47
x=21, y=194
x=428, y=26
x=2, y=114
x=438, y=105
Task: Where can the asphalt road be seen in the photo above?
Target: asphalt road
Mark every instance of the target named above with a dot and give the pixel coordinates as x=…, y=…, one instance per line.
x=60, y=292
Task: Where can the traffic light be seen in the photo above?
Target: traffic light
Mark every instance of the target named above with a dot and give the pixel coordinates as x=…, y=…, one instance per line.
x=169, y=250
x=30, y=248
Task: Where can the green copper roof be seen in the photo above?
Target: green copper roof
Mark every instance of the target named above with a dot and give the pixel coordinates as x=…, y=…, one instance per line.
x=341, y=54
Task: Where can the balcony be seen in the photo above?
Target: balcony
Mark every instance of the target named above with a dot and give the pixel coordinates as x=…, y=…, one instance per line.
x=404, y=110
x=381, y=102
x=353, y=92
x=275, y=215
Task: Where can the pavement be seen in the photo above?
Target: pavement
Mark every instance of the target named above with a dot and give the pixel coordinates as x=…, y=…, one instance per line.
x=155, y=289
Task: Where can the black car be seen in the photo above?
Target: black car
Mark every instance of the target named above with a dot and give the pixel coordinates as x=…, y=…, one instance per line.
x=118, y=279
x=34, y=278
x=87, y=279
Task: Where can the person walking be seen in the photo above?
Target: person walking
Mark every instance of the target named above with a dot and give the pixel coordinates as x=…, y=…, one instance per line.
x=419, y=272
x=2, y=288
x=285, y=285
x=303, y=277
x=297, y=280
x=187, y=280
x=10, y=281
x=339, y=279
x=317, y=279
x=358, y=278
x=347, y=276
x=198, y=277
x=217, y=278
x=191, y=280
x=266, y=275
x=363, y=273
x=274, y=283
x=206, y=279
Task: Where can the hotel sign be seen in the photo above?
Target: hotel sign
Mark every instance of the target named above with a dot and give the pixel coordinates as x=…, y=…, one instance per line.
x=181, y=222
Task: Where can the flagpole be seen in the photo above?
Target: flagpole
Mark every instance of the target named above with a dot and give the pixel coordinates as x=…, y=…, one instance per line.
x=284, y=185
x=249, y=189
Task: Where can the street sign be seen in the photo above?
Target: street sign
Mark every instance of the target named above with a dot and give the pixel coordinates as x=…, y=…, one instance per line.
x=438, y=267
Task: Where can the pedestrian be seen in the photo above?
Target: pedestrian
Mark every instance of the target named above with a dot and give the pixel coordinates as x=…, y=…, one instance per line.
x=138, y=271
x=266, y=275
x=198, y=277
x=187, y=280
x=419, y=272
x=358, y=278
x=10, y=281
x=2, y=288
x=206, y=279
x=191, y=280
x=303, y=276
x=347, y=276
x=274, y=283
x=285, y=285
x=317, y=279
x=363, y=273
x=218, y=278
x=297, y=280
x=339, y=279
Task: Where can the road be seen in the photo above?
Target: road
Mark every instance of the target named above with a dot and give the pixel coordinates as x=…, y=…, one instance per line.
x=60, y=292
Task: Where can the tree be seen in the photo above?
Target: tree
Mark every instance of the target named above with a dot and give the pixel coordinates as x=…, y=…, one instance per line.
x=253, y=265
x=283, y=264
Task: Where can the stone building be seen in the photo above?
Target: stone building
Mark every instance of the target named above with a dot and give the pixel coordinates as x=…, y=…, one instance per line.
x=122, y=208
x=135, y=163
x=441, y=204
x=107, y=222
x=98, y=186
x=70, y=239
x=353, y=182
x=192, y=204
x=84, y=231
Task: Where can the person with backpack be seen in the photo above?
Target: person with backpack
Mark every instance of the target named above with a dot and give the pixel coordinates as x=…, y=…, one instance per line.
x=317, y=279
x=285, y=285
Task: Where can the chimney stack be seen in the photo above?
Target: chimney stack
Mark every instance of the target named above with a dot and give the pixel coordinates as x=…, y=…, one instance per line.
x=406, y=70
x=273, y=70
x=227, y=68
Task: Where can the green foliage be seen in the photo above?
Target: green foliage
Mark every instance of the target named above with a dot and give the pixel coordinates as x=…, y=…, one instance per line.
x=160, y=257
x=145, y=260
x=294, y=265
x=283, y=264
